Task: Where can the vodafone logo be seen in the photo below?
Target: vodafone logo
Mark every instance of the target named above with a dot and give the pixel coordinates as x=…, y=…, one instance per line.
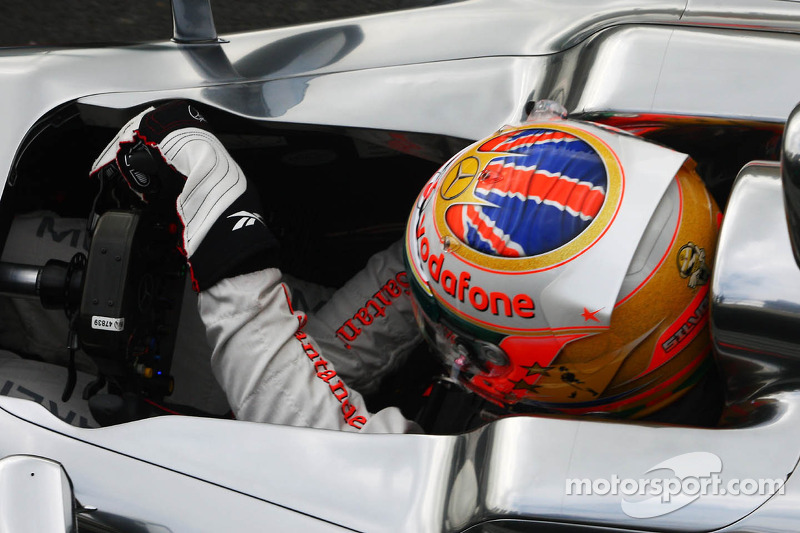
x=461, y=287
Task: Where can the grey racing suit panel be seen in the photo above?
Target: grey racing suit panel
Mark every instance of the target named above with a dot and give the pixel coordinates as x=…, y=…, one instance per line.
x=280, y=365
x=367, y=329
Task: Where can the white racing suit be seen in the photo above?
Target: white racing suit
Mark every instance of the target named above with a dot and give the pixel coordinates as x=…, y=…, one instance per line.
x=282, y=365
x=276, y=364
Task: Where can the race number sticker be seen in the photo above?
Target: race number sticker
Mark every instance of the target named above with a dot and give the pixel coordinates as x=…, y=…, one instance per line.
x=108, y=323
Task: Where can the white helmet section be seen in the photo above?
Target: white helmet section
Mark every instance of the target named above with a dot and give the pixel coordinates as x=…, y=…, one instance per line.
x=593, y=280
x=655, y=241
x=573, y=287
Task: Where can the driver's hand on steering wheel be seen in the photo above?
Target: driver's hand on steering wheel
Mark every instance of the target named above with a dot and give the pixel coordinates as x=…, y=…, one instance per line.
x=170, y=152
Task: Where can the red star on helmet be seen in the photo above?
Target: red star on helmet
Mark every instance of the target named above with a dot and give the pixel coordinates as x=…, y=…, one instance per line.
x=590, y=315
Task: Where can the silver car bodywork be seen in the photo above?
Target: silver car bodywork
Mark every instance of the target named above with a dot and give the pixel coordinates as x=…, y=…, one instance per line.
x=441, y=76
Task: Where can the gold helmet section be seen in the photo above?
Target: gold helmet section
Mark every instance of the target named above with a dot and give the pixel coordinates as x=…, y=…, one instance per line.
x=658, y=344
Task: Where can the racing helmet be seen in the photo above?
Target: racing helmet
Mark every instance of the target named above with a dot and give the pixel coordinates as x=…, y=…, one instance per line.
x=565, y=265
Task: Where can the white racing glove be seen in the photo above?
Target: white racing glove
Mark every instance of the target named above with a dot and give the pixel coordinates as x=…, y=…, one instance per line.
x=171, y=148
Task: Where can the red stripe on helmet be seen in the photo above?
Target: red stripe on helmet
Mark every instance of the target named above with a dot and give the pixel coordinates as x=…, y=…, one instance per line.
x=581, y=197
x=498, y=240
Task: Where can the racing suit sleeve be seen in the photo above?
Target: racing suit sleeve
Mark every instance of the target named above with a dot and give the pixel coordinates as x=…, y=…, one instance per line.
x=367, y=328
x=274, y=370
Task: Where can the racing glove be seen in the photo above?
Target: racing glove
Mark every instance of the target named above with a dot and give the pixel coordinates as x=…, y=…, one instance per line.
x=170, y=151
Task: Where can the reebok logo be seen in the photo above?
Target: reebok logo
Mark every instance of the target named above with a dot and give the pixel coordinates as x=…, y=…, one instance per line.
x=246, y=219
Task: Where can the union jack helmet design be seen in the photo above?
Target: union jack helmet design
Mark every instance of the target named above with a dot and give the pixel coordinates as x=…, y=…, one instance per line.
x=565, y=265
x=546, y=189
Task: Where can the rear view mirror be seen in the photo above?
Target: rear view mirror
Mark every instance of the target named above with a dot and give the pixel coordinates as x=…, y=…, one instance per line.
x=35, y=495
x=790, y=175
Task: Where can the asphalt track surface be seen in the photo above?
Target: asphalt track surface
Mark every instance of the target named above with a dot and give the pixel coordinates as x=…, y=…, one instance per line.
x=64, y=22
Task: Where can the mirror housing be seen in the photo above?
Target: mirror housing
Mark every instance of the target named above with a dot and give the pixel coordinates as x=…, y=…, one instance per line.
x=790, y=176
x=193, y=22
x=35, y=495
